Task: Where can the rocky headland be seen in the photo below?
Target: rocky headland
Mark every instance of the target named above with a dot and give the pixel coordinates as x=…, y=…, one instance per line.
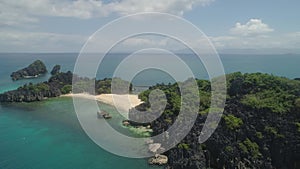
x=61, y=83
x=259, y=129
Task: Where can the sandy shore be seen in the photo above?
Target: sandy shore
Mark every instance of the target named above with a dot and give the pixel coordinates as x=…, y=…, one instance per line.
x=122, y=102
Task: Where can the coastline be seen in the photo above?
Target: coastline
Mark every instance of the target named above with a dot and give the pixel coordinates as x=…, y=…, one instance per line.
x=123, y=102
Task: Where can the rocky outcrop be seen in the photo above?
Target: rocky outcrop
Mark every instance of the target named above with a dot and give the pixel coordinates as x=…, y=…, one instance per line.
x=103, y=115
x=126, y=123
x=260, y=126
x=37, y=92
x=35, y=69
x=58, y=84
x=55, y=70
x=158, y=160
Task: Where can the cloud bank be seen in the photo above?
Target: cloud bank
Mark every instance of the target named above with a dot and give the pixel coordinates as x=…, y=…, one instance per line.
x=28, y=11
x=252, y=27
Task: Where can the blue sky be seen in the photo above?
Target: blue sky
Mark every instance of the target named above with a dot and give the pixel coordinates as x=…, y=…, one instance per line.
x=233, y=26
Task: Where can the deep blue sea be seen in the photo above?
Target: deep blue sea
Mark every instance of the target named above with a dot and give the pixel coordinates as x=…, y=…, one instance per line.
x=47, y=135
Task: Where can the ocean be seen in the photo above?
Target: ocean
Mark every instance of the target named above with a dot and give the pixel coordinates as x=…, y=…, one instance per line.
x=48, y=135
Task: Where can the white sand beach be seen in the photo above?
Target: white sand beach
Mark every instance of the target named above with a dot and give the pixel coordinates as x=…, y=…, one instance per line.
x=122, y=102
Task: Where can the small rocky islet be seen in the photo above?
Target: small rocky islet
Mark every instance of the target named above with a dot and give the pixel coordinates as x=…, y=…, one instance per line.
x=260, y=126
x=34, y=70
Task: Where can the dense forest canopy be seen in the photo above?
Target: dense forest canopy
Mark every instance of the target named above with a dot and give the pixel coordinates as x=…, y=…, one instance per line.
x=260, y=126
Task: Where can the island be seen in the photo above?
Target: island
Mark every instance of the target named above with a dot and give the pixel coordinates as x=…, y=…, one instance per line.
x=61, y=83
x=34, y=70
x=259, y=128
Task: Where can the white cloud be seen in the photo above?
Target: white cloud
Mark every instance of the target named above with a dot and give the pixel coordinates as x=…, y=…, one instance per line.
x=39, y=41
x=252, y=27
x=14, y=41
x=16, y=15
x=28, y=11
x=288, y=41
x=170, y=6
x=254, y=35
x=139, y=42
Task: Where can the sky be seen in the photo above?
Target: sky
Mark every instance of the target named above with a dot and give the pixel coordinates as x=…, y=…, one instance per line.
x=233, y=26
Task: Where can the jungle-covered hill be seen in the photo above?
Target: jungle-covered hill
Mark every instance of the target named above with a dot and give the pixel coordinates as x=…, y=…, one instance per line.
x=260, y=126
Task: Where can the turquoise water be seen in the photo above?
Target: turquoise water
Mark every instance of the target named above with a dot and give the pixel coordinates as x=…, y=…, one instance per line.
x=47, y=135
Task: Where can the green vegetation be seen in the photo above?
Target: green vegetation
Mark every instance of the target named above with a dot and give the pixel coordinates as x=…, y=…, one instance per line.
x=247, y=146
x=183, y=146
x=298, y=126
x=273, y=131
x=229, y=149
x=243, y=148
x=203, y=146
x=63, y=83
x=232, y=122
x=264, y=92
x=37, y=65
x=277, y=102
x=168, y=121
x=41, y=87
x=257, y=106
x=83, y=86
x=66, y=89
x=297, y=103
x=173, y=96
x=211, y=110
x=55, y=70
x=102, y=86
x=34, y=69
x=120, y=86
x=259, y=135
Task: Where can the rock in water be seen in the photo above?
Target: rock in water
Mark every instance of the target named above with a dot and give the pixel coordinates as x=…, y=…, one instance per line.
x=158, y=160
x=125, y=123
x=55, y=70
x=33, y=70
